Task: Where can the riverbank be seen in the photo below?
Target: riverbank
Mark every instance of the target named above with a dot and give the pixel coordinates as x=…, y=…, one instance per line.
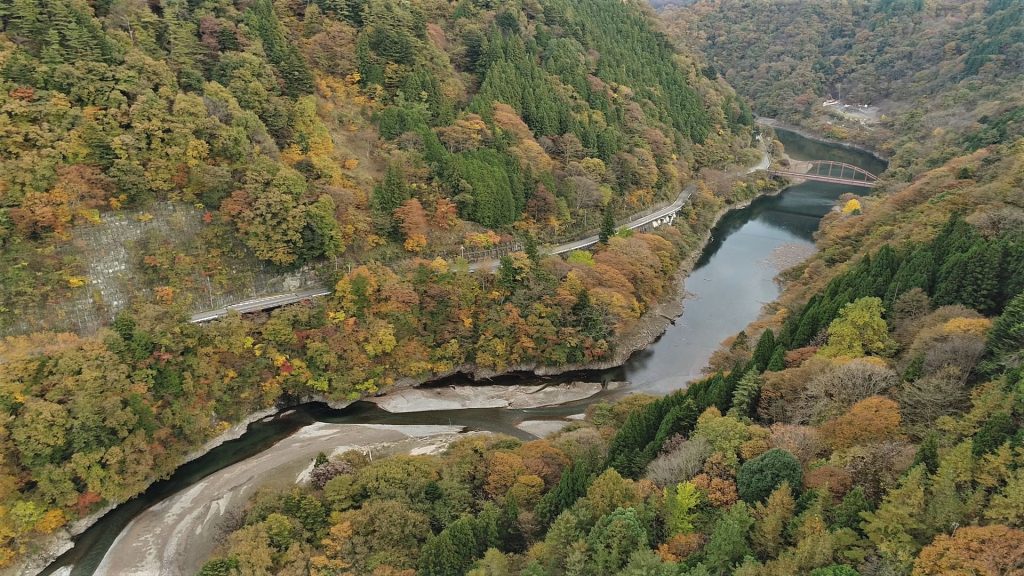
x=644, y=332
x=489, y=396
x=176, y=535
x=648, y=328
x=774, y=123
x=62, y=540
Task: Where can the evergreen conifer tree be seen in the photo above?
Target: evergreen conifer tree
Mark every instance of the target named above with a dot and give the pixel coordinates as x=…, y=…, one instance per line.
x=1005, y=345
x=729, y=542
x=744, y=397
x=763, y=351
x=607, y=226
x=296, y=79
x=778, y=360
x=388, y=196
x=928, y=453
x=847, y=514
x=440, y=557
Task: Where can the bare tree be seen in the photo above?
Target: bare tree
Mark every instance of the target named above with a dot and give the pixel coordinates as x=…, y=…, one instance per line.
x=680, y=464
x=878, y=467
x=804, y=442
x=929, y=397
x=958, y=351
x=833, y=392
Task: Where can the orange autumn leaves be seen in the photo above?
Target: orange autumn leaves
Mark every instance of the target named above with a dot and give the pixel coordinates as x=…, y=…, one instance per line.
x=76, y=196
x=973, y=550
x=427, y=317
x=871, y=420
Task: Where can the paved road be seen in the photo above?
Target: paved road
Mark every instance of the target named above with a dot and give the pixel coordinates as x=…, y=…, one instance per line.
x=262, y=303
x=632, y=225
x=763, y=164
x=278, y=300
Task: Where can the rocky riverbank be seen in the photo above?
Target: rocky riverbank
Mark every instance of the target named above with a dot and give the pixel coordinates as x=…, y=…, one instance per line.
x=178, y=534
x=463, y=397
x=63, y=540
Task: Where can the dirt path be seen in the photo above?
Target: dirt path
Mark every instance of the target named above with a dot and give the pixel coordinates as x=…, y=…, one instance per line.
x=175, y=536
x=764, y=164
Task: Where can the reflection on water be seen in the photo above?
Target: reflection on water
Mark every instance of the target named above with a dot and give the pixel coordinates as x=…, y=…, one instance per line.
x=732, y=280
x=735, y=275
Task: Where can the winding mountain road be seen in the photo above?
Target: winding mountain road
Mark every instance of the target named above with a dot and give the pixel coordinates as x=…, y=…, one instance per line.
x=278, y=300
x=176, y=535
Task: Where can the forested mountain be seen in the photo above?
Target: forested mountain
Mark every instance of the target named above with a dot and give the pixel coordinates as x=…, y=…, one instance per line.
x=181, y=145
x=942, y=71
x=869, y=425
x=878, y=432
x=294, y=132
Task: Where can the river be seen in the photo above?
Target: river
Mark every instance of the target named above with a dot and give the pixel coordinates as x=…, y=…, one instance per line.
x=733, y=279
x=735, y=275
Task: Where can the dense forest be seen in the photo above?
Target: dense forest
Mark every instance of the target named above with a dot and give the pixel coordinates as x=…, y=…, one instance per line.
x=877, y=433
x=945, y=73
x=345, y=131
x=868, y=424
x=366, y=138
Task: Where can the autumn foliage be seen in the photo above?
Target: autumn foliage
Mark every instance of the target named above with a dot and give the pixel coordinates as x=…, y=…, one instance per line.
x=873, y=419
x=973, y=550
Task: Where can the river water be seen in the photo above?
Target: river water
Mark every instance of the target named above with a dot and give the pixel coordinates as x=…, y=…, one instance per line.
x=735, y=275
x=733, y=279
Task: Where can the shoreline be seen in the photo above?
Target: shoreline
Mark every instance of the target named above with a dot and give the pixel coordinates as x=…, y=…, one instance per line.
x=177, y=534
x=647, y=330
x=809, y=134
x=62, y=541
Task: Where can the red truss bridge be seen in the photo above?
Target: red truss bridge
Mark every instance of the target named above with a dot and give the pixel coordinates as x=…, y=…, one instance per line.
x=833, y=172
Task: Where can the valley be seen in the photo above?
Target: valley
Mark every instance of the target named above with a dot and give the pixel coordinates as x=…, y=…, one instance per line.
x=525, y=288
x=743, y=239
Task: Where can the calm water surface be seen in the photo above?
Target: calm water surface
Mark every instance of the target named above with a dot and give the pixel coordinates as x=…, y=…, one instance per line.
x=732, y=280
x=735, y=275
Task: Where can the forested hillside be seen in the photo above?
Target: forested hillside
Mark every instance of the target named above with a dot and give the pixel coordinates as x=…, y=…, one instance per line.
x=869, y=425
x=943, y=72
x=877, y=433
x=296, y=132
x=185, y=144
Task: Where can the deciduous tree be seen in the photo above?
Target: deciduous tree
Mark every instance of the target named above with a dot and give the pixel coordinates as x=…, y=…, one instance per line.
x=995, y=549
x=859, y=330
x=871, y=420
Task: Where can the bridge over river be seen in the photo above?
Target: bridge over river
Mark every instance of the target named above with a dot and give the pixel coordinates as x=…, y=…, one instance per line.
x=832, y=172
